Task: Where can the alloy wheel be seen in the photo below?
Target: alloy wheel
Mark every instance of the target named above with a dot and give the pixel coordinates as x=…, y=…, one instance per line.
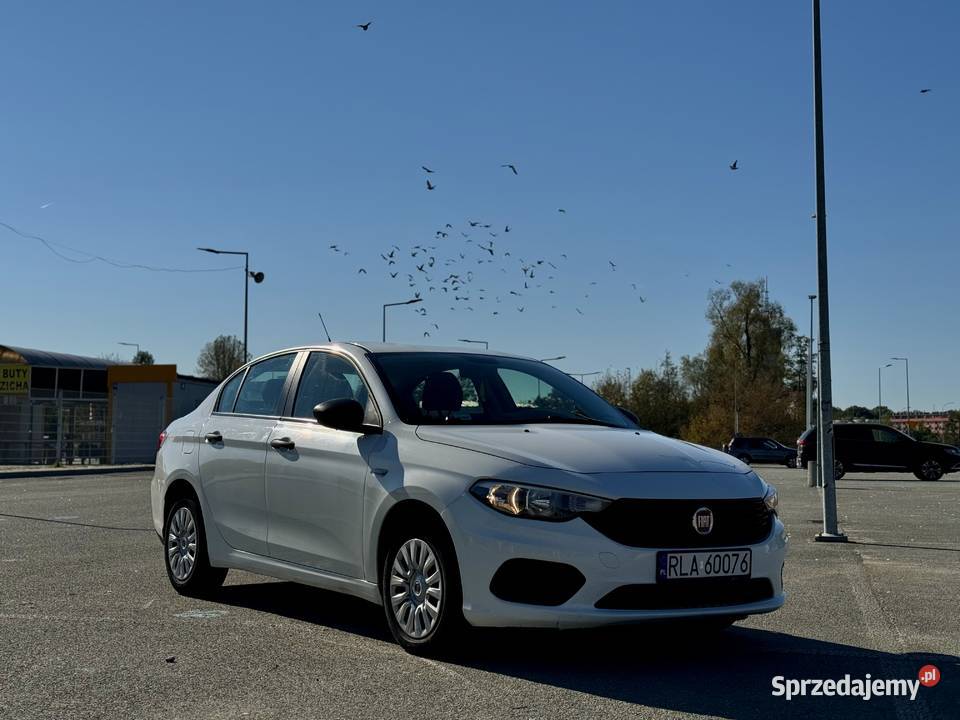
x=182, y=544
x=931, y=470
x=416, y=588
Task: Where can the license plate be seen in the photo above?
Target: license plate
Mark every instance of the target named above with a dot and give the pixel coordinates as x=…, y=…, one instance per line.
x=703, y=564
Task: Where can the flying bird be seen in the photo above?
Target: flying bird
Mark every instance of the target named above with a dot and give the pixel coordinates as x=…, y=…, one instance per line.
x=393, y=275
x=430, y=185
x=642, y=298
x=612, y=265
x=426, y=169
x=561, y=210
x=512, y=167
x=506, y=229
x=365, y=26
x=924, y=91
x=361, y=271
x=46, y=205
x=426, y=334
x=733, y=165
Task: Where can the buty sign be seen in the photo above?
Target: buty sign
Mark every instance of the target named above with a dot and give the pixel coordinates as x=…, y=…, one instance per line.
x=14, y=379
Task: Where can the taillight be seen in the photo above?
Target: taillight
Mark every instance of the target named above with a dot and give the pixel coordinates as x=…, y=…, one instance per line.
x=163, y=436
x=800, y=443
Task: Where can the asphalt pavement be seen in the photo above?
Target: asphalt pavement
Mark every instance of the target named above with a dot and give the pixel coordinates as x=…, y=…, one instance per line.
x=90, y=628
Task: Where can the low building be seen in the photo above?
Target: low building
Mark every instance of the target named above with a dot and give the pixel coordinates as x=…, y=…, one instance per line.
x=62, y=408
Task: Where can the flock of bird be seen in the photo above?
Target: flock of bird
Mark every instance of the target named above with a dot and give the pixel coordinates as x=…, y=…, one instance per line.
x=455, y=266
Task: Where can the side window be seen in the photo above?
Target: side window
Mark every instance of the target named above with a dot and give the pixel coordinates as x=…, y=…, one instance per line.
x=229, y=394
x=263, y=386
x=885, y=436
x=331, y=377
x=770, y=445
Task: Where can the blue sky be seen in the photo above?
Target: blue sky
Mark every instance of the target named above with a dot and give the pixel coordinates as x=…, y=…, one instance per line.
x=280, y=128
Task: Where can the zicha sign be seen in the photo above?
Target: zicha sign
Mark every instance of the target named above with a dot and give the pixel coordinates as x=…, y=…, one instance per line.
x=14, y=379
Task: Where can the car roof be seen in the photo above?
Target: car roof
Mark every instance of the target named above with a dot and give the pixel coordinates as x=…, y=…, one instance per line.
x=382, y=347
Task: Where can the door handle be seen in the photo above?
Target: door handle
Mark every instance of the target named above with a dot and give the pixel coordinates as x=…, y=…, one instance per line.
x=213, y=437
x=283, y=443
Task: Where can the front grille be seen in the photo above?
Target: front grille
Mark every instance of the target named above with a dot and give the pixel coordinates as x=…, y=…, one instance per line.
x=685, y=594
x=669, y=523
x=536, y=582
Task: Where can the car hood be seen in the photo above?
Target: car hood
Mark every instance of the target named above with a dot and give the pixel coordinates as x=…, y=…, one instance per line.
x=584, y=449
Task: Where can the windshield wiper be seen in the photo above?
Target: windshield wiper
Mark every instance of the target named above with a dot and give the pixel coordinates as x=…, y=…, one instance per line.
x=570, y=420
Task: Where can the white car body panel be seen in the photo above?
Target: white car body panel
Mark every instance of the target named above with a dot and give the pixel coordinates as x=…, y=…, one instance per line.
x=314, y=516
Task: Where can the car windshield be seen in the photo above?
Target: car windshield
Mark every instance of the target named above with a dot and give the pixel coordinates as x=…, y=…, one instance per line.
x=430, y=388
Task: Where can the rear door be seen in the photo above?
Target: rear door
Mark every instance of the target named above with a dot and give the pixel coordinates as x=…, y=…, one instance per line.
x=234, y=449
x=890, y=448
x=316, y=475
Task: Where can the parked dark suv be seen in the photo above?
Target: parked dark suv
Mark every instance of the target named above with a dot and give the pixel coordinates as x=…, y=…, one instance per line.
x=870, y=447
x=761, y=450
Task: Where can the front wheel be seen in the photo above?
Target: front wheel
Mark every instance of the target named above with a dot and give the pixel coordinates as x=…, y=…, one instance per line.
x=838, y=470
x=420, y=589
x=929, y=470
x=185, y=551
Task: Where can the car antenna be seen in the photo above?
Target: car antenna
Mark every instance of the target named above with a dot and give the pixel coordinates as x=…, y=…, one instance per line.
x=324, y=327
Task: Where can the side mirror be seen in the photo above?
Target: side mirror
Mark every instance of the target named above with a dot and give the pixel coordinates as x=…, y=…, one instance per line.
x=630, y=416
x=341, y=414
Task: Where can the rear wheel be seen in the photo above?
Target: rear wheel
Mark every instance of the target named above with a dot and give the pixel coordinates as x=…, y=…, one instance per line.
x=929, y=469
x=420, y=589
x=185, y=551
x=838, y=470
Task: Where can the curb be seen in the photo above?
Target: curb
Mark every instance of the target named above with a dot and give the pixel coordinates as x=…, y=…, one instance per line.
x=78, y=470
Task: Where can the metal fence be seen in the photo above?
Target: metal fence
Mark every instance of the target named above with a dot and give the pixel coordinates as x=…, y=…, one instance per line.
x=69, y=431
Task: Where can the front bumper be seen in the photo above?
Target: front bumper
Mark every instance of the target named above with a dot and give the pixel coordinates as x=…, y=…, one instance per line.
x=484, y=539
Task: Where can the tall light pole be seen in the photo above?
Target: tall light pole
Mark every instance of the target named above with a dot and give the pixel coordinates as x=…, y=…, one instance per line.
x=812, y=464
x=257, y=278
x=880, y=390
x=411, y=301
x=129, y=344
x=830, y=533
x=486, y=345
x=810, y=366
x=906, y=364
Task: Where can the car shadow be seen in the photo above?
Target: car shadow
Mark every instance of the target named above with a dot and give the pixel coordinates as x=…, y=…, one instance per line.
x=667, y=666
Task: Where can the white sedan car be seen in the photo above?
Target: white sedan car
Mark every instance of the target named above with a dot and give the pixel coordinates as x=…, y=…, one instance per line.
x=459, y=487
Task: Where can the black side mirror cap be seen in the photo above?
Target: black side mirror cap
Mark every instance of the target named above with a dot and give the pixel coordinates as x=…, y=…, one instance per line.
x=342, y=414
x=630, y=416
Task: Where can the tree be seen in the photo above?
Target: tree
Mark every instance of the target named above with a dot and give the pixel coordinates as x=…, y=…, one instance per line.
x=220, y=357
x=658, y=397
x=749, y=369
x=143, y=357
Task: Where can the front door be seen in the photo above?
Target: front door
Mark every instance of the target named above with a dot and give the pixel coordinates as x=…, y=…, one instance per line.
x=233, y=452
x=316, y=475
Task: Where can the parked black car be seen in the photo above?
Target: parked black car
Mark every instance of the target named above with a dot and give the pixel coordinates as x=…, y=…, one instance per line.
x=761, y=450
x=871, y=447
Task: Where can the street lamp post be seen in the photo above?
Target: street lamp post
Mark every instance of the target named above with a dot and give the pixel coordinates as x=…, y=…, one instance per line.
x=906, y=365
x=257, y=278
x=812, y=464
x=830, y=533
x=130, y=344
x=411, y=301
x=880, y=390
x=486, y=345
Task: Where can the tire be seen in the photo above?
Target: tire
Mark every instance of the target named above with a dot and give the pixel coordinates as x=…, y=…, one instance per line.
x=189, y=573
x=838, y=470
x=930, y=470
x=421, y=592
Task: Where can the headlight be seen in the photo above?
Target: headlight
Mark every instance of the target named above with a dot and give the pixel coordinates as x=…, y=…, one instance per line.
x=536, y=503
x=770, y=498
